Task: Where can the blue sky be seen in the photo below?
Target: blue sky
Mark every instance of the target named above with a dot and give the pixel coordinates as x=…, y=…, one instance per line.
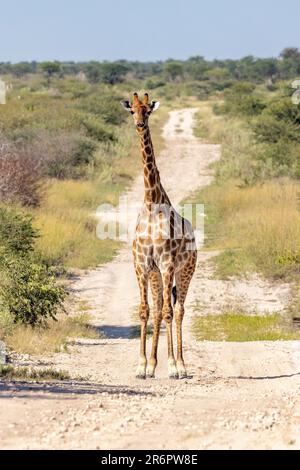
x=146, y=30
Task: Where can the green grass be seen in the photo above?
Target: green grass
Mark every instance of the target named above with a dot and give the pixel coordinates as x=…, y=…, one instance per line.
x=9, y=372
x=236, y=327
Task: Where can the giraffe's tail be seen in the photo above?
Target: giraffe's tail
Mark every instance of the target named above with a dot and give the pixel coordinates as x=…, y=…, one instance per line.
x=174, y=295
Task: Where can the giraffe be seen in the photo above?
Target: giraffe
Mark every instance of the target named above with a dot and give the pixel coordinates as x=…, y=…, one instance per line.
x=164, y=253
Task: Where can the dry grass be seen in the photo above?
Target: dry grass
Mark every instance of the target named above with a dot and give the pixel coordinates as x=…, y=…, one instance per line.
x=69, y=235
x=256, y=226
x=8, y=372
x=38, y=341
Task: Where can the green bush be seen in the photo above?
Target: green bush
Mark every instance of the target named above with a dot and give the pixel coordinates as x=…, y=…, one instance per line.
x=17, y=234
x=105, y=106
x=97, y=129
x=29, y=292
x=271, y=129
x=241, y=99
x=284, y=110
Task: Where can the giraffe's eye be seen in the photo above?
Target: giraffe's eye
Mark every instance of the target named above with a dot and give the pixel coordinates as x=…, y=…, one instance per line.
x=131, y=112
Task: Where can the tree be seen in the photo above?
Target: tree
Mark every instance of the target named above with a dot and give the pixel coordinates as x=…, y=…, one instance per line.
x=22, y=68
x=289, y=65
x=93, y=72
x=173, y=70
x=107, y=72
x=290, y=53
x=265, y=69
x=49, y=69
x=113, y=73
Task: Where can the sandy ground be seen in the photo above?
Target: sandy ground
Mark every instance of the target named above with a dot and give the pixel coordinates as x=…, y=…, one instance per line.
x=237, y=395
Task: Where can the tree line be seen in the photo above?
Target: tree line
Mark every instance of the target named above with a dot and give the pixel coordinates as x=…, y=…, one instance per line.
x=285, y=66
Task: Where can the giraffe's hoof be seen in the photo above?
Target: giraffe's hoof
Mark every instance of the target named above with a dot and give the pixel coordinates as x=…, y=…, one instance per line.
x=182, y=374
x=172, y=370
x=181, y=370
x=140, y=375
x=173, y=376
x=150, y=374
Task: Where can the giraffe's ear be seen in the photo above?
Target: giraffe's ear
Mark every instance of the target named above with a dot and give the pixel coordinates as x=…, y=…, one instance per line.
x=126, y=105
x=154, y=105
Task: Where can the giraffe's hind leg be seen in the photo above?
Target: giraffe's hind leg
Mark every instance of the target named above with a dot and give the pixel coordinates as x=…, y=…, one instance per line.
x=157, y=295
x=182, y=280
x=167, y=313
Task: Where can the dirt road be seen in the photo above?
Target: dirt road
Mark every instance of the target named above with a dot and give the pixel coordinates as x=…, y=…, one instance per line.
x=238, y=395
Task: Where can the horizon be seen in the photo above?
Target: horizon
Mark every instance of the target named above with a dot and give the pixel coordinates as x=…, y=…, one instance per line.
x=66, y=61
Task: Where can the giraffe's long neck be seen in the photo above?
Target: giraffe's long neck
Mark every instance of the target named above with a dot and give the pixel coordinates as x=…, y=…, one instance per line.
x=154, y=191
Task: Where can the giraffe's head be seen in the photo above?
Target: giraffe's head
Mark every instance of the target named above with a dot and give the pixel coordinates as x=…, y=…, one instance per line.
x=140, y=110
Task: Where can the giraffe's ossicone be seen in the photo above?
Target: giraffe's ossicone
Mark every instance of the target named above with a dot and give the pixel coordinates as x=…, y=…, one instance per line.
x=164, y=251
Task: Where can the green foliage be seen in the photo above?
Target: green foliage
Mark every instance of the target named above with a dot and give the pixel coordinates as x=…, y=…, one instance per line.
x=107, y=72
x=17, y=235
x=96, y=129
x=22, y=68
x=278, y=129
x=113, y=73
x=268, y=128
x=256, y=70
x=173, y=70
x=241, y=99
x=106, y=106
x=262, y=139
x=50, y=68
x=28, y=290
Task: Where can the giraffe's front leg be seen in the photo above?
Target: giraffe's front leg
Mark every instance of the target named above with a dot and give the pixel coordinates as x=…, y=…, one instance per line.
x=167, y=314
x=157, y=294
x=144, y=316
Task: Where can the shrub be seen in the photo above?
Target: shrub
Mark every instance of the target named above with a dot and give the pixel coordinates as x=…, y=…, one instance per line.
x=111, y=73
x=268, y=128
x=152, y=84
x=240, y=99
x=30, y=292
x=106, y=106
x=173, y=70
x=20, y=175
x=97, y=129
x=17, y=234
x=63, y=154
